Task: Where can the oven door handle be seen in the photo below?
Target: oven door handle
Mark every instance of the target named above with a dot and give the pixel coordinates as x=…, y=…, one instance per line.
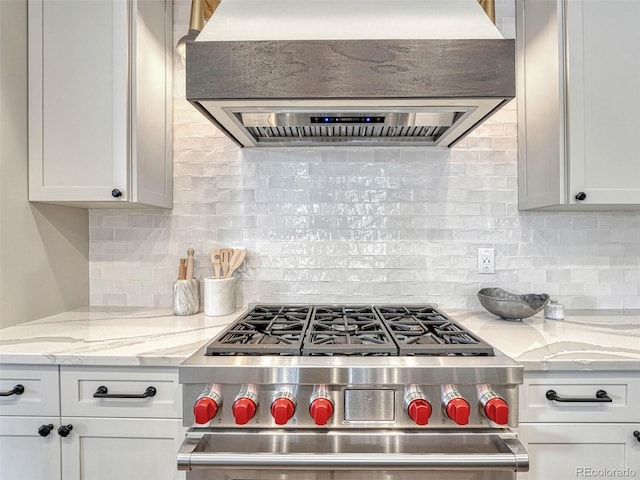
x=513, y=458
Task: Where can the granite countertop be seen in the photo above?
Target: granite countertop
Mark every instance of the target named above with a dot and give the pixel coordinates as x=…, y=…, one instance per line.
x=587, y=340
x=110, y=336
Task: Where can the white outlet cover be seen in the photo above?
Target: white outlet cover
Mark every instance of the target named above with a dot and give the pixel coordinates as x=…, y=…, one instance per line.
x=486, y=260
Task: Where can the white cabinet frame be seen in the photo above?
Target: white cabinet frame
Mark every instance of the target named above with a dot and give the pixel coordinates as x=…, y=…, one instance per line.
x=578, y=104
x=100, y=102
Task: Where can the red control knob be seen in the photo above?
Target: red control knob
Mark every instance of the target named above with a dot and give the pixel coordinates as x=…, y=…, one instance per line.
x=205, y=409
x=458, y=410
x=321, y=410
x=497, y=410
x=282, y=410
x=243, y=410
x=419, y=410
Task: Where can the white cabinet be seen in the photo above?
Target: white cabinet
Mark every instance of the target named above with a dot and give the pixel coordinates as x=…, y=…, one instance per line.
x=26, y=449
x=39, y=387
x=118, y=437
x=582, y=450
x=580, y=439
x=578, y=104
x=79, y=384
x=126, y=449
x=100, y=109
x=24, y=453
x=90, y=438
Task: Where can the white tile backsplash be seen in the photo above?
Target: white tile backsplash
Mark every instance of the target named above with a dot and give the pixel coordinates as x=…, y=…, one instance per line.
x=360, y=225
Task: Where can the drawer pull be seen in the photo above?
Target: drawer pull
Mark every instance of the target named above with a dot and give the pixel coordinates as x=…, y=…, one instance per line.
x=637, y=435
x=17, y=390
x=601, y=397
x=103, y=392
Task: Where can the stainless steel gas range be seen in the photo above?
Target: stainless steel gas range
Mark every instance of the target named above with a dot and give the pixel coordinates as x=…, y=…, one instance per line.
x=348, y=392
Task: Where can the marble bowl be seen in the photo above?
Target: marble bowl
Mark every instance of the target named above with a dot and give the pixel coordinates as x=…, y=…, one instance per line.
x=511, y=306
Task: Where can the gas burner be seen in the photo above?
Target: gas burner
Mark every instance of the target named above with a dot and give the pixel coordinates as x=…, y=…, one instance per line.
x=338, y=327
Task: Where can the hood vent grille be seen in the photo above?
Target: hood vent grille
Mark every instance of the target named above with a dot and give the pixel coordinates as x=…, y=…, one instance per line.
x=347, y=127
x=337, y=134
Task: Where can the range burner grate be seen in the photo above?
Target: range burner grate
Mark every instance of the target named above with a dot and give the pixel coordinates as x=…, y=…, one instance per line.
x=265, y=330
x=422, y=330
x=347, y=330
x=362, y=330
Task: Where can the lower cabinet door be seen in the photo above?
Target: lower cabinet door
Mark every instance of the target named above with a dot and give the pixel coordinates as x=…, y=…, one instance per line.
x=121, y=448
x=27, y=454
x=566, y=451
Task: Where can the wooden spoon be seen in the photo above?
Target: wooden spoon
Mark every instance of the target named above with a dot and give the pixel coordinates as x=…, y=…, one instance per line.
x=216, y=262
x=225, y=258
x=236, y=261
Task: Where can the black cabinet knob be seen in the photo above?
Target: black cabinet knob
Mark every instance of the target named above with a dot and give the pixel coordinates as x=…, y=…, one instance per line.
x=581, y=196
x=637, y=435
x=65, y=430
x=115, y=193
x=45, y=430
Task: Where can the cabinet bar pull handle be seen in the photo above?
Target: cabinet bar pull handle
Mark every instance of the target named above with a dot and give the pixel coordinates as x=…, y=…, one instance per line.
x=17, y=390
x=601, y=397
x=103, y=392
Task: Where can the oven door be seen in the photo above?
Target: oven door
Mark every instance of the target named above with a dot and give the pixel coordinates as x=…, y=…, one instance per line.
x=244, y=454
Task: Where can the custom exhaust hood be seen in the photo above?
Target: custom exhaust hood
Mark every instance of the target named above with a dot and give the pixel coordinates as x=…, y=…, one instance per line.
x=284, y=73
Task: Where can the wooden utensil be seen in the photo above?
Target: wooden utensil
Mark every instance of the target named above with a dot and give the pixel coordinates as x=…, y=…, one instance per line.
x=190, y=263
x=216, y=262
x=182, y=270
x=236, y=260
x=225, y=258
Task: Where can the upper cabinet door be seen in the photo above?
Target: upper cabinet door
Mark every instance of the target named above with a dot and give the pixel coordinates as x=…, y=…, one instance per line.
x=541, y=112
x=603, y=75
x=78, y=99
x=578, y=104
x=100, y=102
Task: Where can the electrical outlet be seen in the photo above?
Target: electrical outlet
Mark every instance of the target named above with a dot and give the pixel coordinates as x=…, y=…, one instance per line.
x=486, y=260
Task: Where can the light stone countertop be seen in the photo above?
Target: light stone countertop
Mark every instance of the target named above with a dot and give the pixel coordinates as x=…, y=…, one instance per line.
x=110, y=336
x=587, y=340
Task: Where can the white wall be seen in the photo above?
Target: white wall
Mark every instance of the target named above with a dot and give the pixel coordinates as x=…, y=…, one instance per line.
x=360, y=225
x=44, y=250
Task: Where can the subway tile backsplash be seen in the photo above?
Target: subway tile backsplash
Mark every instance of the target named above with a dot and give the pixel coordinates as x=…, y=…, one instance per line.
x=361, y=225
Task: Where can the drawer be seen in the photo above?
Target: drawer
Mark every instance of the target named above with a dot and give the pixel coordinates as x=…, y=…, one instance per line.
x=622, y=387
x=41, y=390
x=79, y=385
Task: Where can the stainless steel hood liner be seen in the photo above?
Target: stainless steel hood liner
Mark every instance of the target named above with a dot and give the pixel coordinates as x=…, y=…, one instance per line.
x=342, y=126
x=280, y=73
